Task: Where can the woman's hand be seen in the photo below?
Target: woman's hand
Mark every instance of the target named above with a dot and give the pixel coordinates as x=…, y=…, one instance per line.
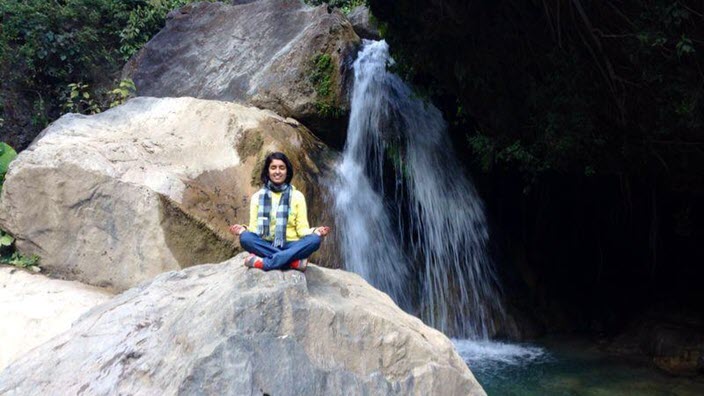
x=237, y=229
x=322, y=231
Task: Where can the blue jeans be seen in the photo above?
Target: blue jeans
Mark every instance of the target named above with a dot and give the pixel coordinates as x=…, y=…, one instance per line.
x=275, y=258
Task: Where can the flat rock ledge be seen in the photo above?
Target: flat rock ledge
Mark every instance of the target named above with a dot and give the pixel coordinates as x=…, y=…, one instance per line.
x=222, y=329
x=35, y=308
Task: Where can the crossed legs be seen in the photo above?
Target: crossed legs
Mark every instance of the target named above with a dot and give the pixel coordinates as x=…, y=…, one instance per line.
x=275, y=258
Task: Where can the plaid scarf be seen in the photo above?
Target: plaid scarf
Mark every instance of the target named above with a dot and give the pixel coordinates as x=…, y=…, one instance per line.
x=264, y=213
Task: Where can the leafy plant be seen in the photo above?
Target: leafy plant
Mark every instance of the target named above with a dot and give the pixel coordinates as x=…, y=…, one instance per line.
x=7, y=154
x=606, y=89
x=8, y=255
x=19, y=260
x=322, y=78
x=684, y=46
x=346, y=6
x=47, y=45
x=5, y=239
x=124, y=91
x=79, y=100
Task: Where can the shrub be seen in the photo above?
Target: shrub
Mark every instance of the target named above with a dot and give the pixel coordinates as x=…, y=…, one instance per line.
x=47, y=45
x=7, y=154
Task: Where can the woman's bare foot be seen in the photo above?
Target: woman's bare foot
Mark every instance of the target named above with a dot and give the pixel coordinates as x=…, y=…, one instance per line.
x=237, y=229
x=322, y=231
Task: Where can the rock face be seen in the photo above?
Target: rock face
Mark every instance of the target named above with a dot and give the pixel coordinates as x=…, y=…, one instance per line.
x=15, y=128
x=150, y=186
x=674, y=348
x=363, y=24
x=280, y=55
x=36, y=308
x=673, y=340
x=226, y=330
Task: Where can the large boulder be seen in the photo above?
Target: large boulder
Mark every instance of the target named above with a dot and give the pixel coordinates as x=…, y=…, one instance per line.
x=281, y=55
x=119, y=197
x=223, y=329
x=36, y=308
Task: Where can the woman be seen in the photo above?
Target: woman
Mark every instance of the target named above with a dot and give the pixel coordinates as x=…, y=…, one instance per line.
x=278, y=235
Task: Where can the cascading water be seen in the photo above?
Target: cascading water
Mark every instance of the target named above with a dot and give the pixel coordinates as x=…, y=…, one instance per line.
x=424, y=239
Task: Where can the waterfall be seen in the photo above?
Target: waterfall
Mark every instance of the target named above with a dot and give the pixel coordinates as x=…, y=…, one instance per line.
x=410, y=221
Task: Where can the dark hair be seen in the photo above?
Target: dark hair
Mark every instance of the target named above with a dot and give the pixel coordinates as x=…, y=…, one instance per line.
x=276, y=156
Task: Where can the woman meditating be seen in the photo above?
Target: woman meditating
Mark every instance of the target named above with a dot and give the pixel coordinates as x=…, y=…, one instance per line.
x=278, y=235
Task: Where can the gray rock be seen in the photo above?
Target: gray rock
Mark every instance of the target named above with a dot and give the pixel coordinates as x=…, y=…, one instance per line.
x=261, y=53
x=226, y=330
x=363, y=24
x=150, y=186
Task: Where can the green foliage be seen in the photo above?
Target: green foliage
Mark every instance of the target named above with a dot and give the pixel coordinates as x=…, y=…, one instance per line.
x=19, y=260
x=125, y=89
x=684, y=46
x=328, y=110
x=47, y=45
x=484, y=148
x=8, y=255
x=79, y=97
x=321, y=74
x=79, y=100
x=322, y=77
x=51, y=42
x=7, y=154
x=607, y=88
x=5, y=239
x=39, y=118
x=344, y=5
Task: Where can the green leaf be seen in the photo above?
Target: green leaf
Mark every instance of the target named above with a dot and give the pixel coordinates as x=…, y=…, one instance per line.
x=684, y=46
x=8, y=154
x=6, y=240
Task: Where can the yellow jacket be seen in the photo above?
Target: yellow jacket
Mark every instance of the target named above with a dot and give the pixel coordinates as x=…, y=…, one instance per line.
x=297, y=224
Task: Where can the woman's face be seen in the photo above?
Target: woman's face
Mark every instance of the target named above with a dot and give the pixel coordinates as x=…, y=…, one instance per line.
x=277, y=171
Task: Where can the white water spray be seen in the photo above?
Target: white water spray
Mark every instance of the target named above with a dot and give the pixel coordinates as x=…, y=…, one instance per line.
x=428, y=235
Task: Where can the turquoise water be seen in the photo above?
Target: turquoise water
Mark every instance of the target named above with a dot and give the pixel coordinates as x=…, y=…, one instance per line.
x=566, y=369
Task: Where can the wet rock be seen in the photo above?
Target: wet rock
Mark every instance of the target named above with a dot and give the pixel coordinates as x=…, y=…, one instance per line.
x=363, y=23
x=224, y=329
x=673, y=347
x=673, y=341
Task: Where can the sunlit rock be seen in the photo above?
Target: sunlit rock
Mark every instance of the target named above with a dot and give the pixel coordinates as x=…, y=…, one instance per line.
x=36, y=308
x=119, y=197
